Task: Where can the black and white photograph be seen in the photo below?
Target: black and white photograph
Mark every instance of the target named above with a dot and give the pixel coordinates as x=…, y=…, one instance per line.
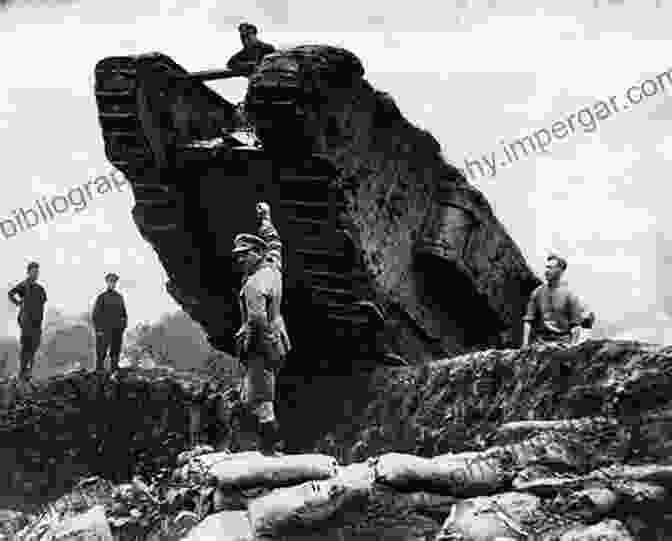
x=280, y=270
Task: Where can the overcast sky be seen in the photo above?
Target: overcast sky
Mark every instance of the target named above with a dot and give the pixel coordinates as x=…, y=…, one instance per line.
x=474, y=73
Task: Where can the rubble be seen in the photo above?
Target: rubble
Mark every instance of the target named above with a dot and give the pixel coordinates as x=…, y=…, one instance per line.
x=94, y=425
x=11, y=522
x=91, y=525
x=609, y=530
x=224, y=526
x=530, y=471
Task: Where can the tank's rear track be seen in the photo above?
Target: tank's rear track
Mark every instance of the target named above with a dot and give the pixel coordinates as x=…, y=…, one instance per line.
x=191, y=199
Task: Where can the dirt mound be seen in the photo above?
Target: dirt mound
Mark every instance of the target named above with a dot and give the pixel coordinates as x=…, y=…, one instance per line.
x=546, y=444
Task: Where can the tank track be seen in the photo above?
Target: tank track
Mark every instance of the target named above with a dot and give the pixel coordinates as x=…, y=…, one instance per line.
x=159, y=210
x=315, y=234
x=331, y=262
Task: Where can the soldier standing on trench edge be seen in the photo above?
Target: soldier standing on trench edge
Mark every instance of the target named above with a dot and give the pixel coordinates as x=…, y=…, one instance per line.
x=32, y=298
x=109, y=319
x=554, y=313
x=262, y=342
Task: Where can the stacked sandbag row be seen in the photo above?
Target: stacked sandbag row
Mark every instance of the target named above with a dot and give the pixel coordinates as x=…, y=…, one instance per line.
x=541, y=488
x=500, y=493
x=323, y=502
x=288, y=485
x=251, y=469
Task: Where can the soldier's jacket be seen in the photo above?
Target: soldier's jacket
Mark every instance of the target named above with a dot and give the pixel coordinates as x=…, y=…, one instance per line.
x=33, y=298
x=263, y=324
x=260, y=301
x=241, y=61
x=555, y=310
x=109, y=311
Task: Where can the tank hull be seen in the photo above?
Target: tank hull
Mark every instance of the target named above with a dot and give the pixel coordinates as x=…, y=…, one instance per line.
x=379, y=264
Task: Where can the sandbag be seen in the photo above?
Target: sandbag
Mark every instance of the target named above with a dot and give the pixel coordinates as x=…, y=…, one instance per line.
x=266, y=471
x=557, y=425
x=310, y=504
x=185, y=456
x=199, y=467
x=89, y=526
x=591, y=503
x=425, y=503
x=550, y=449
x=607, y=530
x=647, y=473
x=652, y=474
x=459, y=474
x=548, y=486
x=210, y=460
x=489, y=518
x=224, y=526
x=637, y=492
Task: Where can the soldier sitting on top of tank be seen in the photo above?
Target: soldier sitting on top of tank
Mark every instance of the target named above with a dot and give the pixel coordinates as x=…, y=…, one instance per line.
x=249, y=57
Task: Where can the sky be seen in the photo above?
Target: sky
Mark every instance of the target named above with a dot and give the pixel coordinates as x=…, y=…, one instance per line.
x=473, y=73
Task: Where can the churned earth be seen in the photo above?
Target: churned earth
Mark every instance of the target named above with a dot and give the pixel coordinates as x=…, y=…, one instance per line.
x=545, y=443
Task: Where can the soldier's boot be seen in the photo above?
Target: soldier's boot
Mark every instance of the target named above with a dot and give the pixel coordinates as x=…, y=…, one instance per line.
x=25, y=371
x=114, y=368
x=29, y=373
x=269, y=436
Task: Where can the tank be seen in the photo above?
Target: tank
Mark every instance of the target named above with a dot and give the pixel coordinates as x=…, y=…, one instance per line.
x=390, y=255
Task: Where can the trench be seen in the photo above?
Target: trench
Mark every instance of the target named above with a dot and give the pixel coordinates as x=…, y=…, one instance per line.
x=77, y=426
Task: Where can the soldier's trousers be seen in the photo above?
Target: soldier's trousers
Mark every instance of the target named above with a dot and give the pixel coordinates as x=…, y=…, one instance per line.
x=30, y=342
x=108, y=340
x=258, y=391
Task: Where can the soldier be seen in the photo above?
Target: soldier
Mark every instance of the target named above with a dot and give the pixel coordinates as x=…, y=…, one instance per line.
x=262, y=341
x=245, y=60
x=109, y=320
x=554, y=314
x=31, y=313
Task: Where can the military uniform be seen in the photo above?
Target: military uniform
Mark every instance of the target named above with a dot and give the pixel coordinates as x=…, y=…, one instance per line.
x=110, y=320
x=553, y=312
x=245, y=60
x=33, y=298
x=262, y=340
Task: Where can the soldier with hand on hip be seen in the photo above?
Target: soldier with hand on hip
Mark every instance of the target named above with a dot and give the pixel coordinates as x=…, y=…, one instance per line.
x=32, y=298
